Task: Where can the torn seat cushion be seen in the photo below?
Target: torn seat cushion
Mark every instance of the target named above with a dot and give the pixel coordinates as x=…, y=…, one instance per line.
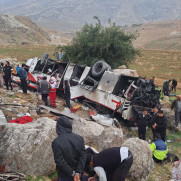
x=22, y=120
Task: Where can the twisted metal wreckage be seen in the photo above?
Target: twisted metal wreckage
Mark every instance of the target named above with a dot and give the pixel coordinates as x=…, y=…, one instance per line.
x=117, y=90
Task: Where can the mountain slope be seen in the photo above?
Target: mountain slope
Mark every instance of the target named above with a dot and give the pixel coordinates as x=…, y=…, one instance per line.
x=72, y=14
x=20, y=30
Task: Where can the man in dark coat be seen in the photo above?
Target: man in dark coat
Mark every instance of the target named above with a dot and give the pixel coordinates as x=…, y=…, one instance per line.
x=44, y=89
x=159, y=125
x=69, y=151
x=174, y=85
x=67, y=93
x=115, y=162
x=23, y=77
x=142, y=123
x=166, y=86
x=7, y=75
x=176, y=105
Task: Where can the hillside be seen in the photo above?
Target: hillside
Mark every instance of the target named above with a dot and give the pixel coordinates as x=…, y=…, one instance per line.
x=158, y=35
x=20, y=30
x=68, y=15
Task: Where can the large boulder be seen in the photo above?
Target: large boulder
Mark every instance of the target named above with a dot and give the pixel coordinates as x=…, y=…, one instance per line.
x=111, y=137
x=142, y=159
x=170, y=115
x=165, y=103
x=26, y=148
x=96, y=135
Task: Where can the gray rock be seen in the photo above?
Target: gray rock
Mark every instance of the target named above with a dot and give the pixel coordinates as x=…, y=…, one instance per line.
x=89, y=130
x=142, y=159
x=96, y=135
x=170, y=115
x=26, y=148
x=111, y=137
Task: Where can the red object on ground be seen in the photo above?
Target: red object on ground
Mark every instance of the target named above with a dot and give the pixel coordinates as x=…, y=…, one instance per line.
x=52, y=96
x=22, y=120
x=92, y=113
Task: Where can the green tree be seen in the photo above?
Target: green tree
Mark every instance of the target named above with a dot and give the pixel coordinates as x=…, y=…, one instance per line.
x=95, y=42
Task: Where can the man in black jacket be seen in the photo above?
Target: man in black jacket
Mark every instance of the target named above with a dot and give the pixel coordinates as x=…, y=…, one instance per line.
x=69, y=151
x=159, y=125
x=115, y=163
x=7, y=75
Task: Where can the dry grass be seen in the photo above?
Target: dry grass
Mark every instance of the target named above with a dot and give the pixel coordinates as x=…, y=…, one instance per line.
x=163, y=65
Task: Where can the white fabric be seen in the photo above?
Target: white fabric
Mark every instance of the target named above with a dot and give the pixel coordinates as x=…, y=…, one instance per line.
x=123, y=153
x=101, y=173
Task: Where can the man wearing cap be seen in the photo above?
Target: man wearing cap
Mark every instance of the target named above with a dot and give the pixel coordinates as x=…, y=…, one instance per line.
x=176, y=105
x=159, y=125
x=69, y=151
x=115, y=162
x=23, y=77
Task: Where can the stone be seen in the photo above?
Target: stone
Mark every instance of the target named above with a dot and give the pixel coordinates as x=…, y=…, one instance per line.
x=26, y=148
x=170, y=115
x=165, y=103
x=89, y=130
x=111, y=137
x=96, y=135
x=142, y=159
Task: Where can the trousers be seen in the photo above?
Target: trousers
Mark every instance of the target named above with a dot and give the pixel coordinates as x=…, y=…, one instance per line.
x=7, y=81
x=121, y=172
x=45, y=99
x=177, y=118
x=24, y=85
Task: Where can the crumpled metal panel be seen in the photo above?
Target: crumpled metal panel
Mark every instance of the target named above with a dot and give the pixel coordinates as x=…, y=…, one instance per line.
x=108, y=81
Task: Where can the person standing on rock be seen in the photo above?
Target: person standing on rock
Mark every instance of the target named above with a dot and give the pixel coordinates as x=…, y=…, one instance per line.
x=44, y=89
x=115, y=162
x=23, y=77
x=67, y=93
x=1, y=75
x=176, y=105
x=52, y=93
x=159, y=125
x=69, y=151
x=8, y=75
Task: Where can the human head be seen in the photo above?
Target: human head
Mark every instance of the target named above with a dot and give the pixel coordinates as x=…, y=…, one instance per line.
x=7, y=63
x=44, y=78
x=157, y=136
x=179, y=97
x=153, y=77
x=155, y=110
x=145, y=112
x=63, y=125
x=160, y=113
x=2, y=64
x=170, y=80
x=18, y=65
x=23, y=65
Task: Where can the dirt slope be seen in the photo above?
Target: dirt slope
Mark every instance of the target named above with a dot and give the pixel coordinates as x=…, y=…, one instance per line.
x=20, y=30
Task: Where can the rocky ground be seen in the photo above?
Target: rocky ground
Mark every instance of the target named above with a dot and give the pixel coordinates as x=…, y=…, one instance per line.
x=26, y=148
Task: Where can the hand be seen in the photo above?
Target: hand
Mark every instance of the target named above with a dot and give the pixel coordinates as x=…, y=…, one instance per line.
x=76, y=177
x=91, y=179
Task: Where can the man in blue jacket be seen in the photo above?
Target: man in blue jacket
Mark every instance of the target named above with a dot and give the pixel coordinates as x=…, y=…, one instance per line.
x=23, y=77
x=69, y=151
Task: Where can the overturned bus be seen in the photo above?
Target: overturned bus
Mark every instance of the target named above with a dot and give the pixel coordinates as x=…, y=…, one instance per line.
x=117, y=90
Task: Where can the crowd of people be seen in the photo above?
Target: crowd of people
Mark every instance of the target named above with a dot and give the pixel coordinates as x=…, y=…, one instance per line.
x=73, y=161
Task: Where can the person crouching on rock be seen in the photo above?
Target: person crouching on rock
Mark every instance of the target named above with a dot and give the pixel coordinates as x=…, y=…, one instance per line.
x=69, y=151
x=43, y=88
x=52, y=93
x=114, y=162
